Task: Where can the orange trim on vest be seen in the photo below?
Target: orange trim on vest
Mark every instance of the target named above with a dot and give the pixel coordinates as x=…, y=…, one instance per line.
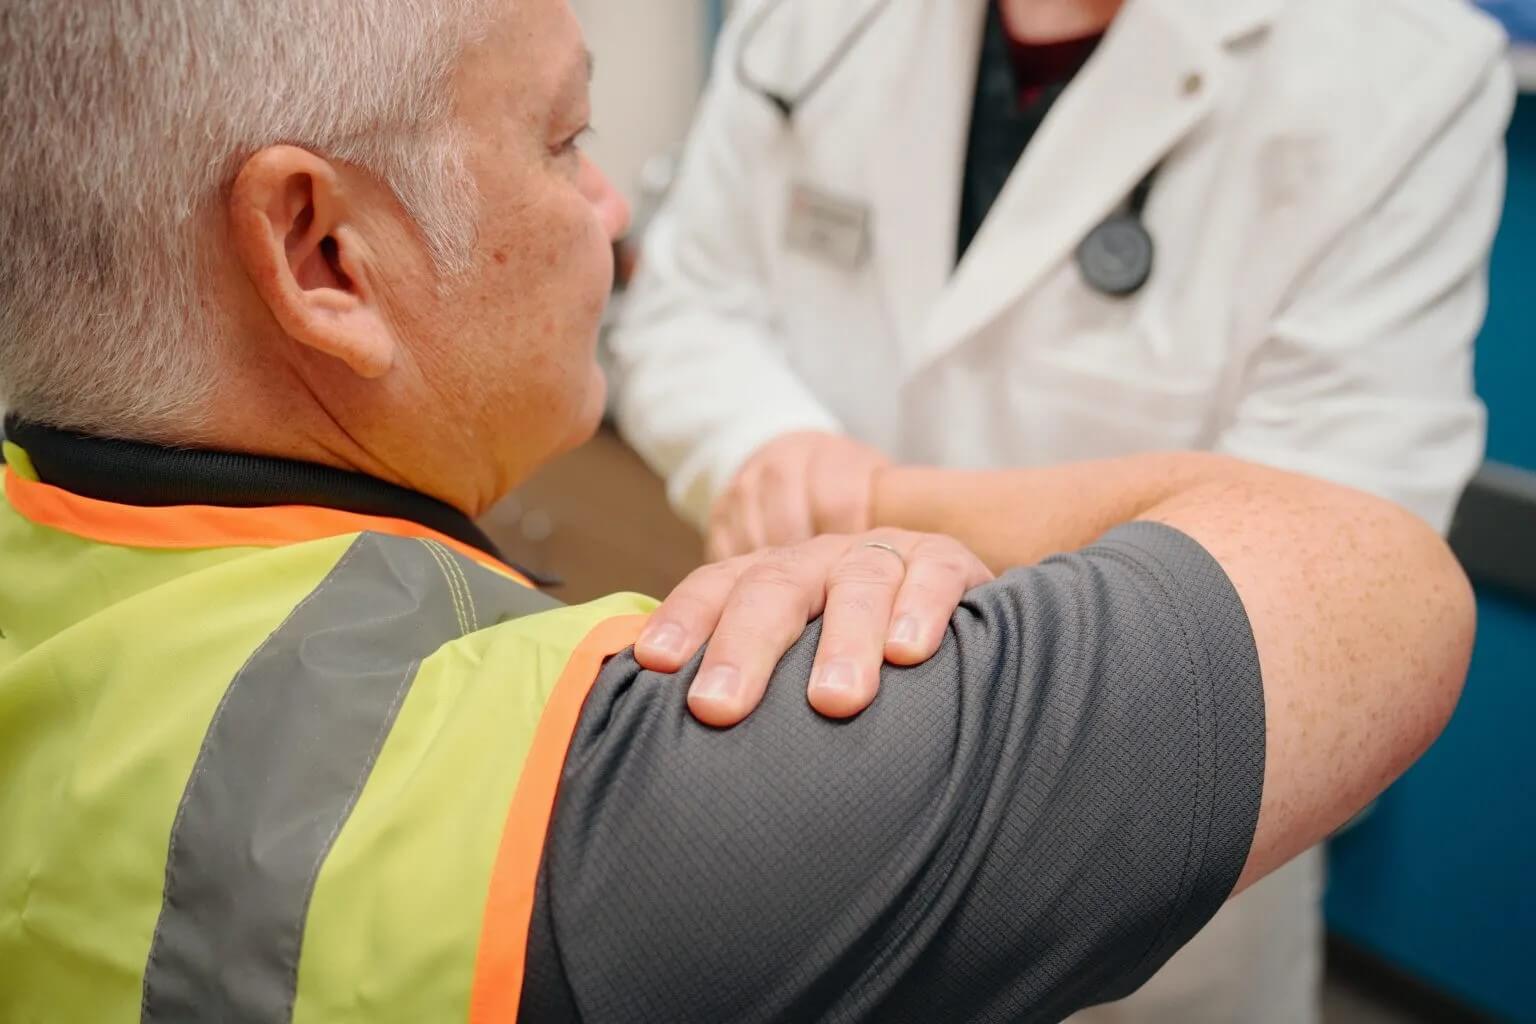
x=499, y=965
x=210, y=526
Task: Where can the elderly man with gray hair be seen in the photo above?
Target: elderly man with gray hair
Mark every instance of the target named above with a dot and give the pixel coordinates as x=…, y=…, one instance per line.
x=289, y=293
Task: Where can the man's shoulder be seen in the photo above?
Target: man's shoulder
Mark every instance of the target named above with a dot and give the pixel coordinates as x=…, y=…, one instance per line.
x=938, y=846
x=561, y=631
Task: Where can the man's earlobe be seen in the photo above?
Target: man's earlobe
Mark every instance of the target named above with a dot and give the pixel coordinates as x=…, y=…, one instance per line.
x=306, y=259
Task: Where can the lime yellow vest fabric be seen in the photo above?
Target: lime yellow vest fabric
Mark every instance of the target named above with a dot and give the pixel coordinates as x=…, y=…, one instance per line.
x=244, y=780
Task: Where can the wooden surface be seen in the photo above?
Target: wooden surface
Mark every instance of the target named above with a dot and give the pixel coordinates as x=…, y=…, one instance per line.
x=598, y=519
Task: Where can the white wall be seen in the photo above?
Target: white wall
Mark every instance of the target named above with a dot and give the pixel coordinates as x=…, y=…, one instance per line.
x=650, y=66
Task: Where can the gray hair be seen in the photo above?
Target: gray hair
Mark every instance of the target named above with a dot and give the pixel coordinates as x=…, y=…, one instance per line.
x=122, y=123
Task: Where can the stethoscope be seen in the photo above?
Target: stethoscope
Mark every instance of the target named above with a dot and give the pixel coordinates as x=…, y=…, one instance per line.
x=1115, y=258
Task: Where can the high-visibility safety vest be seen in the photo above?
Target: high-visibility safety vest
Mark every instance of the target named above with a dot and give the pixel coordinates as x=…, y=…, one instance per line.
x=272, y=764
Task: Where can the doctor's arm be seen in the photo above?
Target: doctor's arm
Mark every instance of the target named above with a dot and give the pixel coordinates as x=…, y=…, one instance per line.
x=1365, y=376
x=702, y=382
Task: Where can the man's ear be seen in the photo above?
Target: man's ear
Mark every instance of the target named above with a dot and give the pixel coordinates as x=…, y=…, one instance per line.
x=299, y=242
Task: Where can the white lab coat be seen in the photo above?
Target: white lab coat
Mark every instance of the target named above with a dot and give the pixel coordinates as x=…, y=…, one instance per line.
x=1332, y=179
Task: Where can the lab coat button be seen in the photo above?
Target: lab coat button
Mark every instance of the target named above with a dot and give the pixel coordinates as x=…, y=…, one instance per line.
x=1193, y=83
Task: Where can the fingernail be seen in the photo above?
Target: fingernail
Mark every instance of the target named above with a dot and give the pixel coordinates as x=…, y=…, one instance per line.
x=836, y=679
x=723, y=682
x=667, y=638
x=905, y=631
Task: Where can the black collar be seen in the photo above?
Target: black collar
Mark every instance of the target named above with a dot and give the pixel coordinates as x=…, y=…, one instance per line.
x=132, y=473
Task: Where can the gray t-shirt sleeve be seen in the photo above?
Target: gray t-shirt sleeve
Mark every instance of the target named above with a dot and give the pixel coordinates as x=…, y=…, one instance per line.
x=1032, y=822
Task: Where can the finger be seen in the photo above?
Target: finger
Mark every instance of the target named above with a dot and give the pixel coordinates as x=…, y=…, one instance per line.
x=785, y=505
x=764, y=615
x=861, y=592
x=939, y=572
x=687, y=617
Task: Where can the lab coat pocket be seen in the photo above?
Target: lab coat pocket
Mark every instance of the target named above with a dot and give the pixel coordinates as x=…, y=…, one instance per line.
x=830, y=316
x=1096, y=402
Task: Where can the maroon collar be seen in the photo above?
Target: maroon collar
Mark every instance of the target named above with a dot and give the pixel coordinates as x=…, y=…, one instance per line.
x=1039, y=66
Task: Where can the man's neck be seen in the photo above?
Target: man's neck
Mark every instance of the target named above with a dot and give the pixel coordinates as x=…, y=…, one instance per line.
x=137, y=474
x=286, y=403
x=1050, y=21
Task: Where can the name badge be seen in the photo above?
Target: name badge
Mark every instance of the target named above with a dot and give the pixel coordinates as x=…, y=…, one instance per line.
x=828, y=227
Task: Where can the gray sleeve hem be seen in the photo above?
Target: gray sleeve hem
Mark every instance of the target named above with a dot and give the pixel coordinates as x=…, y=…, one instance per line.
x=1225, y=674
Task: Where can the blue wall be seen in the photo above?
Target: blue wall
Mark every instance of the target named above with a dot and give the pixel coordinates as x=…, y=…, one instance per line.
x=1518, y=16
x=1441, y=878
x=1506, y=356
x=714, y=20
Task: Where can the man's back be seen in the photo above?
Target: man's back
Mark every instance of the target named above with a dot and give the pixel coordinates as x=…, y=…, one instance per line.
x=247, y=779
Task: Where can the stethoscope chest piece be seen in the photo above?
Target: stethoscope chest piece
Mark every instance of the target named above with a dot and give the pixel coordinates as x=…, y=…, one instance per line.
x=1116, y=257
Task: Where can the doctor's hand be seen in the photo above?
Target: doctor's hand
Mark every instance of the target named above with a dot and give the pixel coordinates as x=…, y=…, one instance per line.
x=885, y=595
x=793, y=488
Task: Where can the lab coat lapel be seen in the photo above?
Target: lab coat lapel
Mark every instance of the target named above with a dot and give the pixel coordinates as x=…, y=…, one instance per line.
x=918, y=156
x=1152, y=80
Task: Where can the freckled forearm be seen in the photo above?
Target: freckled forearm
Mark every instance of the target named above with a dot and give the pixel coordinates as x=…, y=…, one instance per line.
x=1013, y=517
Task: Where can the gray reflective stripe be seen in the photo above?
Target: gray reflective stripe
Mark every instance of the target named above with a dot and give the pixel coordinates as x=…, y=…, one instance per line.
x=284, y=760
